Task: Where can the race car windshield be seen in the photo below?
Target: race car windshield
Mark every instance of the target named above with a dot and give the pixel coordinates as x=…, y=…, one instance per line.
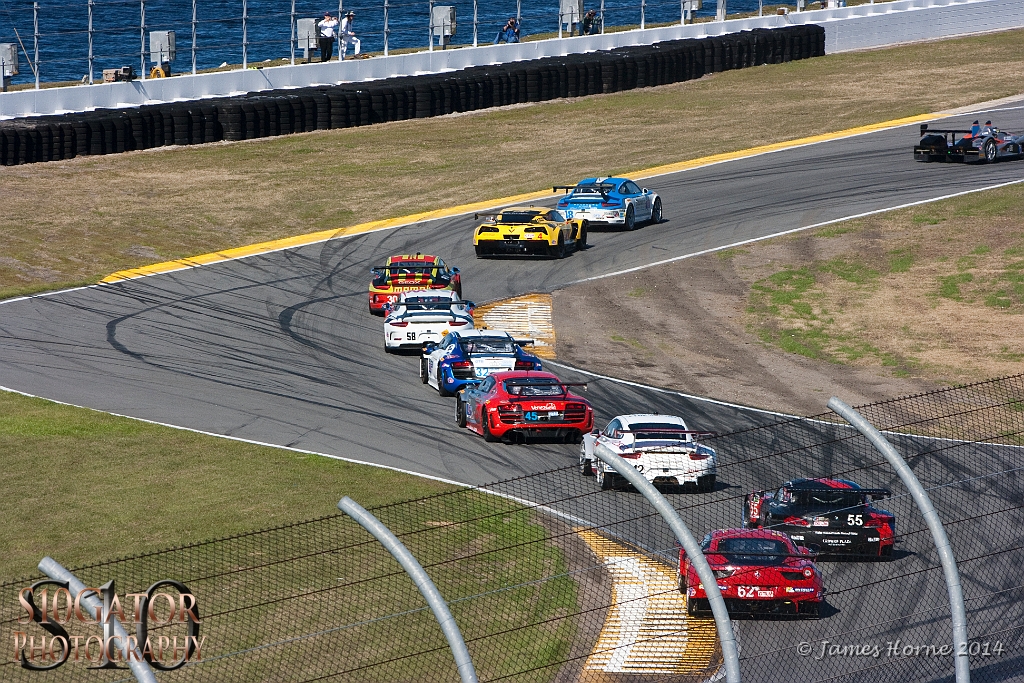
x=517, y=217
x=753, y=551
x=658, y=431
x=485, y=346
x=590, y=189
x=830, y=500
x=538, y=388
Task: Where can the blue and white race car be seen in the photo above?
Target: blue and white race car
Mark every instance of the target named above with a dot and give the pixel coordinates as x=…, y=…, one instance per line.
x=609, y=201
x=466, y=357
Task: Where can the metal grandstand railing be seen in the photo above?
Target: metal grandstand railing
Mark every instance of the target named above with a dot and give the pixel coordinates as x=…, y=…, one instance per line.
x=552, y=579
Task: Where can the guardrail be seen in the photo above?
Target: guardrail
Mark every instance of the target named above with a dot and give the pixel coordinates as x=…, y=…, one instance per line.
x=846, y=28
x=550, y=577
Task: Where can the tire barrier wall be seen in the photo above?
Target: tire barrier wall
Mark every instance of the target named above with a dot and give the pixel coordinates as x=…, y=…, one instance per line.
x=283, y=112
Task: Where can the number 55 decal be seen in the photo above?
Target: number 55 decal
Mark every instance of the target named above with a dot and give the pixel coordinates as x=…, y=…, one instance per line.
x=854, y=520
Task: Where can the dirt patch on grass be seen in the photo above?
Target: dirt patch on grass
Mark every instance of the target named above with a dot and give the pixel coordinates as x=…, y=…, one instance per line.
x=866, y=310
x=79, y=220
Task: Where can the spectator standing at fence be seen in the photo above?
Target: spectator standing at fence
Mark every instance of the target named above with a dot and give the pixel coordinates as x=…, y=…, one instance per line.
x=327, y=30
x=589, y=20
x=509, y=32
x=348, y=35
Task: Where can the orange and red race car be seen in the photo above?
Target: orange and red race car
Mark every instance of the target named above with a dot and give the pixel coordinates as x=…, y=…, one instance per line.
x=407, y=273
x=513, y=405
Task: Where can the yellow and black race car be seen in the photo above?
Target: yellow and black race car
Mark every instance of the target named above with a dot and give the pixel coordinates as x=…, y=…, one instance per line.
x=528, y=230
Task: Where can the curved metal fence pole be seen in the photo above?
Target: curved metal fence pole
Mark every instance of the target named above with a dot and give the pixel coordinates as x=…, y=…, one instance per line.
x=437, y=604
x=958, y=614
x=730, y=653
x=139, y=668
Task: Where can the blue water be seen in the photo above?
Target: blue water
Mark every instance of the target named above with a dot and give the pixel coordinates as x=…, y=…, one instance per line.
x=64, y=47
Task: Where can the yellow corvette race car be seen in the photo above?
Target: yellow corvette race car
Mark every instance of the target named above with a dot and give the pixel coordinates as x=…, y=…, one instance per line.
x=528, y=230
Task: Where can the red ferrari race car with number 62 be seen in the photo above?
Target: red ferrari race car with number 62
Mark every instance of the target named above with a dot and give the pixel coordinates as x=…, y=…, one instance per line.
x=758, y=572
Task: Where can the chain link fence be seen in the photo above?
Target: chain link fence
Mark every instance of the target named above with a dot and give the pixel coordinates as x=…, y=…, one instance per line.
x=551, y=578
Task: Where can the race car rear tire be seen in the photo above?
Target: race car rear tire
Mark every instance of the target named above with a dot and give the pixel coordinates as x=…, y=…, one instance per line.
x=706, y=484
x=486, y=427
x=441, y=391
x=990, y=151
x=606, y=480
x=558, y=251
x=630, y=220
x=423, y=370
x=586, y=468
x=460, y=412
x=656, y=214
x=481, y=251
x=388, y=349
x=581, y=237
x=695, y=607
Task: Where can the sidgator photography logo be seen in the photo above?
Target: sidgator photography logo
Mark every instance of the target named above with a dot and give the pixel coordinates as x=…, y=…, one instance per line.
x=56, y=626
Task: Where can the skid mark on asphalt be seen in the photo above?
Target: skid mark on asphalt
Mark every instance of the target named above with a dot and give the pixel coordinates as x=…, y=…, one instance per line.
x=647, y=631
x=522, y=316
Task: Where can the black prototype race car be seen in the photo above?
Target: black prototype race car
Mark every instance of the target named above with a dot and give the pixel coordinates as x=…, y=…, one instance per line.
x=829, y=516
x=987, y=146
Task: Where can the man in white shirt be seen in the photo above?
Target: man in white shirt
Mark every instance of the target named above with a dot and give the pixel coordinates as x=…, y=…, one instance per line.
x=348, y=35
x=328, y=30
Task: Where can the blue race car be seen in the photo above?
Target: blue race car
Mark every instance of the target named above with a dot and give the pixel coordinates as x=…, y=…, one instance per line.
x=466, y=357
x=609, y=201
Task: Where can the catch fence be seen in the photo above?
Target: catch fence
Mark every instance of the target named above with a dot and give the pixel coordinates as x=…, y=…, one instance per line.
x=551, y=578
x=69, y=41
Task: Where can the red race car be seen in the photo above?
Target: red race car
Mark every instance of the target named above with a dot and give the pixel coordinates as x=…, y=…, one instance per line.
x=512, y=405
x=407, y=273
x=759, y=572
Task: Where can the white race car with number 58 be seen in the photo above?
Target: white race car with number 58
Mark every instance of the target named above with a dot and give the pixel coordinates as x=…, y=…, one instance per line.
x=423, y=316
x=661, y=447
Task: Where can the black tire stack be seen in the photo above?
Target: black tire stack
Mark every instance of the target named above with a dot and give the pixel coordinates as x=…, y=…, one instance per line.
x=283, y=112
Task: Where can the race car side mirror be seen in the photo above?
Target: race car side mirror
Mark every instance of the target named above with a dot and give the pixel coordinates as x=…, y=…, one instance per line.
x=646, y=191
x=428, y=347
x=456, y=270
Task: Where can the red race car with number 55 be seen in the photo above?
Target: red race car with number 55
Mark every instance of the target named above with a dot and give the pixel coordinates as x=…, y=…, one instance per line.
x=511, y=406
x=758, y=572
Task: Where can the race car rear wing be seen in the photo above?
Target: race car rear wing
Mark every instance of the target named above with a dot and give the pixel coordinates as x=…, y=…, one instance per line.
x=925, y=130
x=667, y=430
x=603, y=188
x=528, y=382
x=411, y=269
x=825, y=489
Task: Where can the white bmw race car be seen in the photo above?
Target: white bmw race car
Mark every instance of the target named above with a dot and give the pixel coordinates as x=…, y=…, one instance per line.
x=660, y=447
x=610, y=201
x=420, y=317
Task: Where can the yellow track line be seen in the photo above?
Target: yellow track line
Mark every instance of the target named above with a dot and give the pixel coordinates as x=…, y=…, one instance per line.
x=324, y=235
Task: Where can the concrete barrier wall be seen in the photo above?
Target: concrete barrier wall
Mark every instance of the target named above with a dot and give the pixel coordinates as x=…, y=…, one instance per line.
x=848, y=28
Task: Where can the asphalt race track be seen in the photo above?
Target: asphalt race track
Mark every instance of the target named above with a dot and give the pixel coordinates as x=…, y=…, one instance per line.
x=280, y=348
